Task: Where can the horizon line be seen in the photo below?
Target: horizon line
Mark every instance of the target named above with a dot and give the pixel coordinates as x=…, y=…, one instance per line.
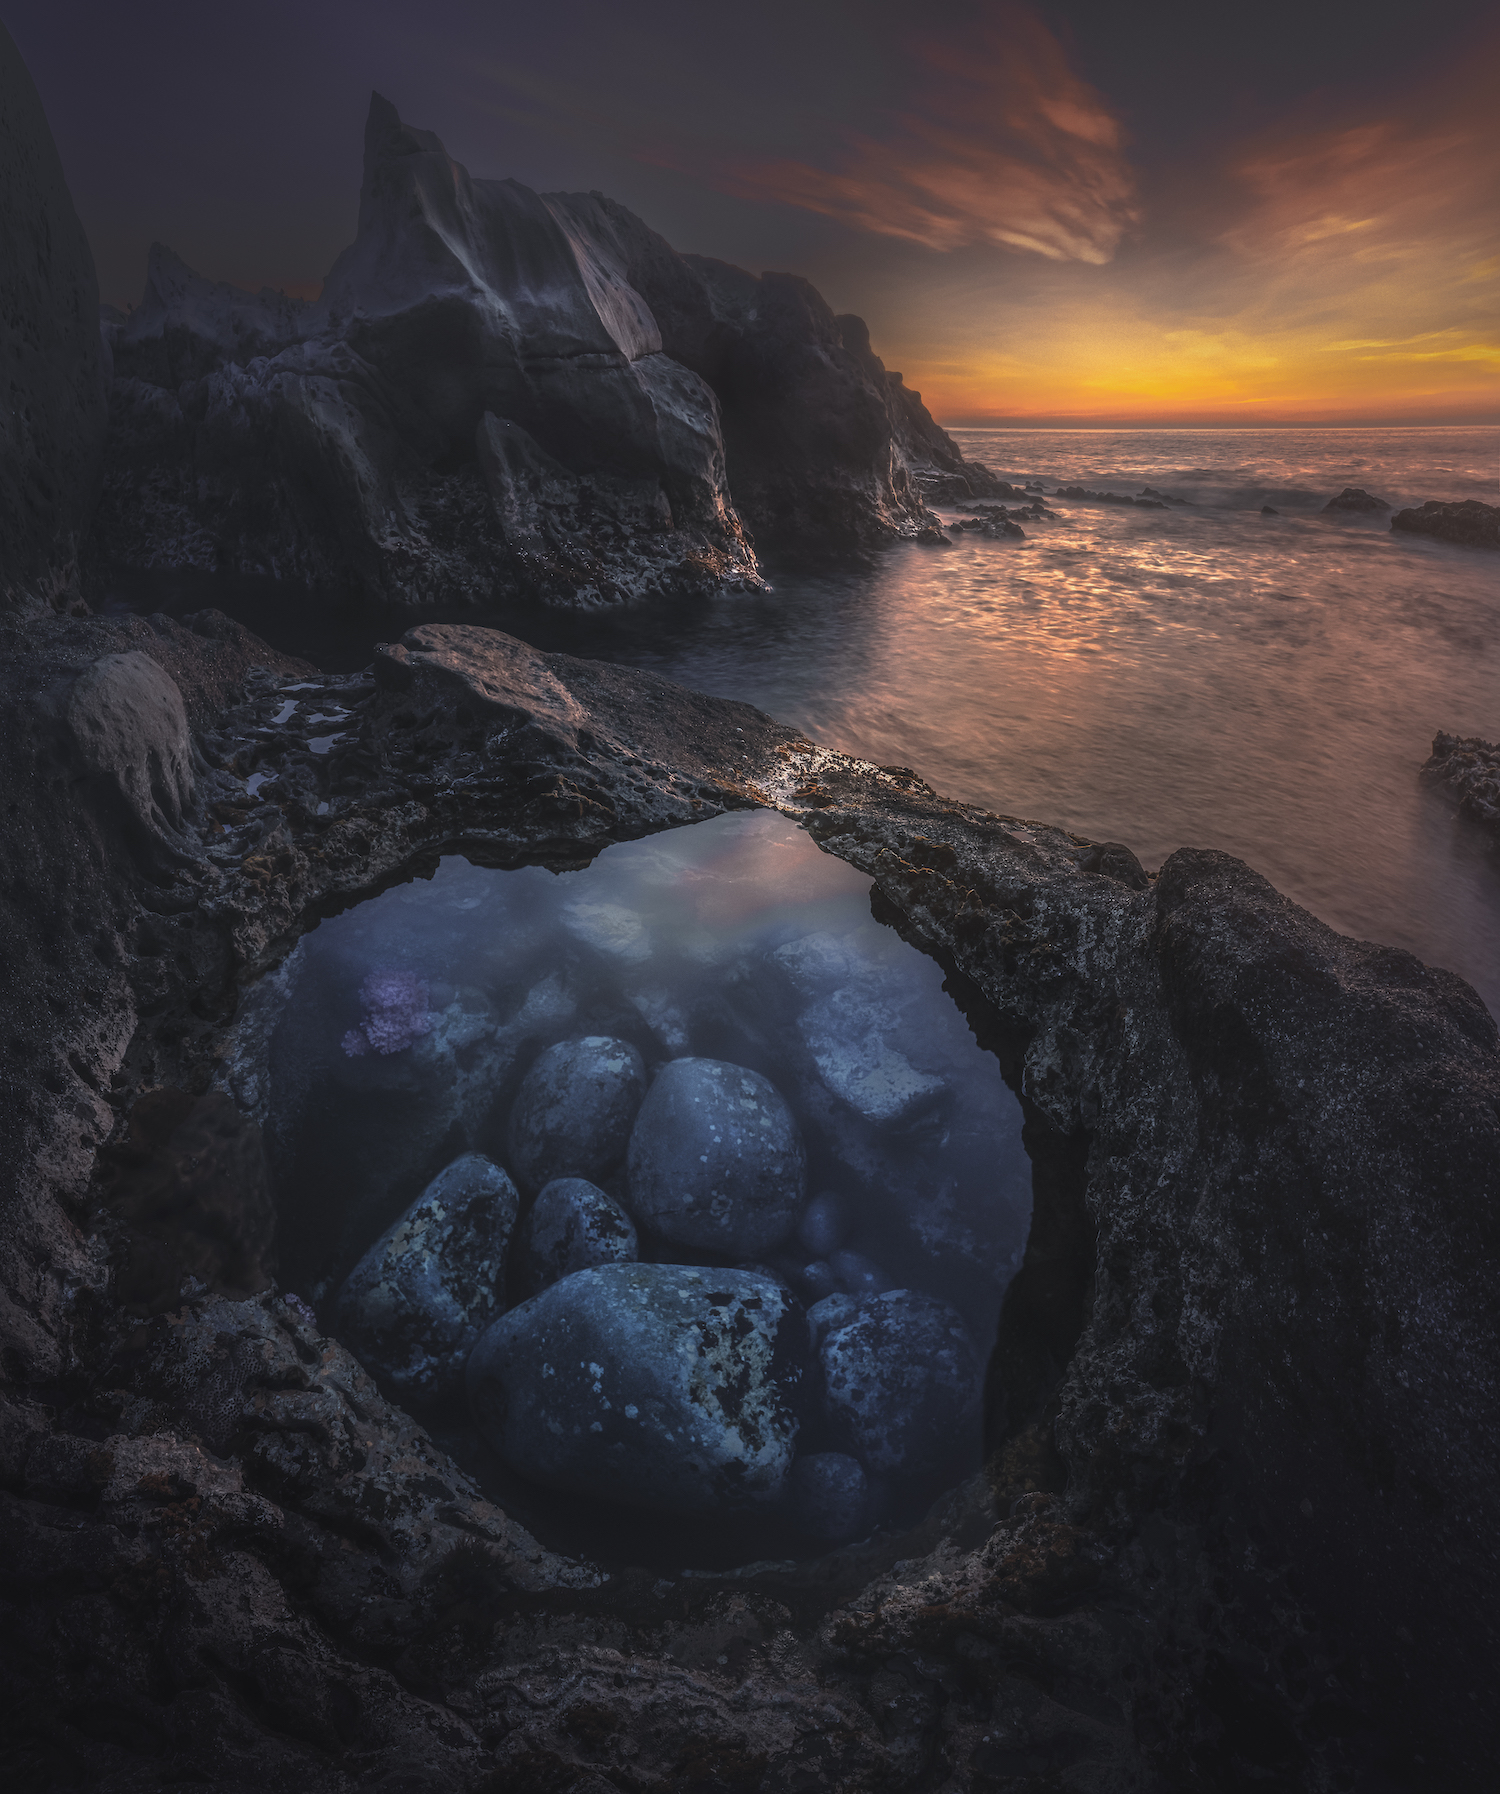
x=1096, y=424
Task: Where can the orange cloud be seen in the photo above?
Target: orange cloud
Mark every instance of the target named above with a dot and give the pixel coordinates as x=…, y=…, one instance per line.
x=1002, y=143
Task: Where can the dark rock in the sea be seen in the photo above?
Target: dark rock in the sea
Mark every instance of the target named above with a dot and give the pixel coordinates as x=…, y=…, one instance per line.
x=1167, y=498
x=829, y=1494
x=1357, y=500
x=1470, y=770
x=574, y=1111
x=1471, y=524
x=824, y=1224
x=716, y=1161
x=1269, y=511
x=574, y=1225
x=664, y=1387
x=932, y=537
x=901, y=1380
x=1111, y=498
x=414, y=1305
x=54, y=410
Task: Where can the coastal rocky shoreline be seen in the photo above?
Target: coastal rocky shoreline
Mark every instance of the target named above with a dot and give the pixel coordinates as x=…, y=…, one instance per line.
x=1238, y=1518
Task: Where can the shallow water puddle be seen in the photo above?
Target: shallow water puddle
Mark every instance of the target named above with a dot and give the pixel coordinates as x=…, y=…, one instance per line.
x=728, y=1199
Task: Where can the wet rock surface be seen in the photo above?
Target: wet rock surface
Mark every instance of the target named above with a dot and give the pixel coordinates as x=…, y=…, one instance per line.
x=667, y=1387
x=1469, y=769
x=1472, y=524
x=572, y=1226
x=413, y=1307
x=1239, y=1524
x=715, y=1159
x=1356, y=501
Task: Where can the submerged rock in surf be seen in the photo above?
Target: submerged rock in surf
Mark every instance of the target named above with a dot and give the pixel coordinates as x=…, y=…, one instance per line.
x=414, y=1305
x=665, y=1387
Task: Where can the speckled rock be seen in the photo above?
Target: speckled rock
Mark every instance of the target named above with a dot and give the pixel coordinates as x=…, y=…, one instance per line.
x=414, y=1305
x=716, y=1161
x=572, y=1226
x=665, y=1387
x=851, y=1041
x=900, y=1379
x=824, y=1225
x=573, y=1113
x=829, y=1494
x=833, y=1311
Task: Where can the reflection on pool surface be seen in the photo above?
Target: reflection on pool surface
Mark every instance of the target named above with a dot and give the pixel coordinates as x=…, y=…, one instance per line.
x=726, y=1194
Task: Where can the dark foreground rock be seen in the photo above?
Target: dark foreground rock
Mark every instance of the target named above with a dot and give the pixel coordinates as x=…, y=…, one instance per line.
x=1470, y=524
x=664, y=1387
x=1470, y=769
x=1240, y=1519
x=54, y=412
x=573, y=1226
x=574, y=1111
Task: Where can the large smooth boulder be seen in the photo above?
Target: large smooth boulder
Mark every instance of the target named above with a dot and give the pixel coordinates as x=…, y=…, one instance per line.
x=572, y=1226
x=665, y=1387
x=573, y=1113
x=716, y=1161
x=414, y=1305
x=901, y=1380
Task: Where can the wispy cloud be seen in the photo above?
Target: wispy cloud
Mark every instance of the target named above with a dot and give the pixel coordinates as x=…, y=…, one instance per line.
x=1000, y=142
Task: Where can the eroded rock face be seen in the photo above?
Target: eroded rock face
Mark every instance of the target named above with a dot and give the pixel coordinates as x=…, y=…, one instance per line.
x=414, y=1305
x=716, y=1161
x=53, y=416
x=1241, y=1365
x=664, y=1387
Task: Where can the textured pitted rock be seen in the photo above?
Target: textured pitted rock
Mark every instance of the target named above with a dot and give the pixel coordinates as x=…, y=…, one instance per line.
x=716, y=1161
x=1472, y=524
x=1470, y=769
x=665, y=1387
x=573, y=1113
x=829, y=1493
x=572, y=1226
x=128, y=720
x=901, y=1380
x=1232, y=1405
x=413, y=1306
x=52, y=371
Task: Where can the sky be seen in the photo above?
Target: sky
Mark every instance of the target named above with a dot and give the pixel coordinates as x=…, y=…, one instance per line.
x=1072, y=213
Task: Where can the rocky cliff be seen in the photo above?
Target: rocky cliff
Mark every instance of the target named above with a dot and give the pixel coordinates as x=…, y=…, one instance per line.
x=497, y=394
x=52, y=414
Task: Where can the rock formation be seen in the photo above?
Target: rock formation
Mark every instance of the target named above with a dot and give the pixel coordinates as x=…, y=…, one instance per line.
x=1355, y=501
x=502, y=394
x=1240, y=1516
x=1470, y=524
x=53, y=414
x=1470, y=769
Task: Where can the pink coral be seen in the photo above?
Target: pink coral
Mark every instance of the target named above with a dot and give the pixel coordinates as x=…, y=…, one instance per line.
x=395, y=1013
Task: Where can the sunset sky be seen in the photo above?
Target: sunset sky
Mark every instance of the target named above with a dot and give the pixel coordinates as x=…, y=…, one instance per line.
x=1070, y=213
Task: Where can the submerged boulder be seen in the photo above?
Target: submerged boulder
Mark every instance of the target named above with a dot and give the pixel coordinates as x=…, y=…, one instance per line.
x=666, y=1387
x=572, y=1226
x=1472, y=524
x=829, y=1494
x=1357, y=500
x=414, y=1305
x=900, y=1380
x=716, y=1161
x=573, y=1113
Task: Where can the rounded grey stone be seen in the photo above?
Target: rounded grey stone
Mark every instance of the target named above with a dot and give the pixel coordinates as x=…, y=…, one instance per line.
x=414, y=1305
x=573, y=1113
x=857, y=1275
x=716, y=1161
x=666, y=1387
x=900, y=1380
x=829, y=1494
x=573, y=1225
x=832, y=1311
